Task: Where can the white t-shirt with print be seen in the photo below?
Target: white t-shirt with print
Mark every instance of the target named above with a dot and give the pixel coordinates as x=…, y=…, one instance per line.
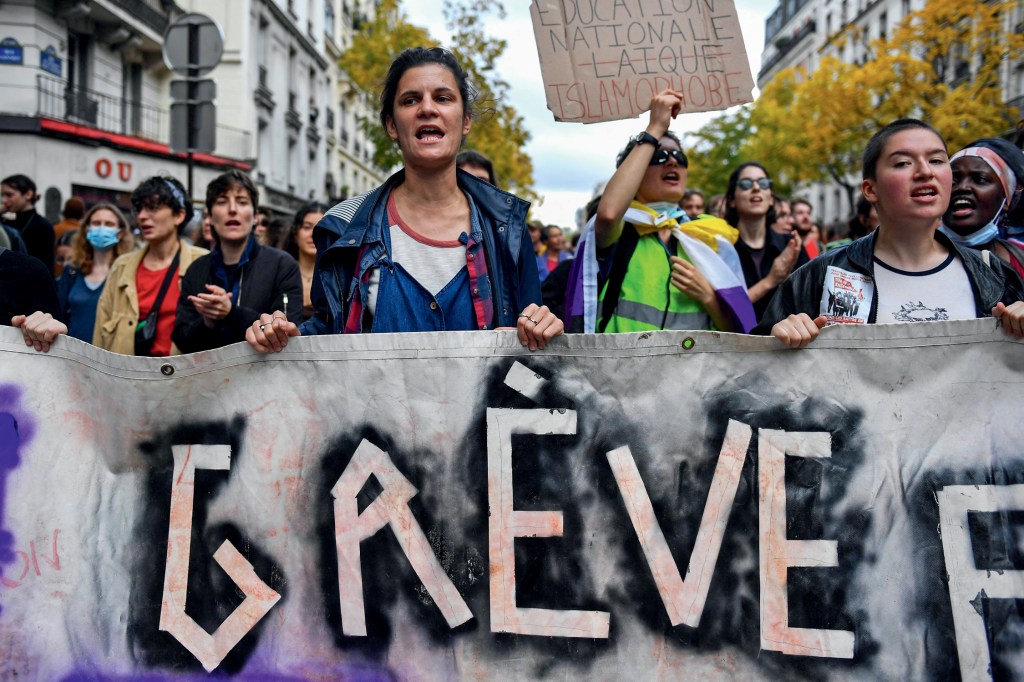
x=942, y=293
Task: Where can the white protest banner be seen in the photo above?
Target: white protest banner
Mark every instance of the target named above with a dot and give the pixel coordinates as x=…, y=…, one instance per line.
x=449, y=506
x=604, y=60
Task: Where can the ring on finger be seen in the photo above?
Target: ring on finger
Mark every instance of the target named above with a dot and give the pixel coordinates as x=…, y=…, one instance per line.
x=264, y=325
x=532, y=320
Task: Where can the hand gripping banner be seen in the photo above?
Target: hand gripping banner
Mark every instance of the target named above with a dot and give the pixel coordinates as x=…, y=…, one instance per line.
x=442, y=506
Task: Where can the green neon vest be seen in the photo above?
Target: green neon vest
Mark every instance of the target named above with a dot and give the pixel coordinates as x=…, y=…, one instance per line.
x=647, y=300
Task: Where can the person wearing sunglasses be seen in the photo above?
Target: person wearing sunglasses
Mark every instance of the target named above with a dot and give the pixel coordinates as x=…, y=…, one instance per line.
x=647, y=280
x=766, y=256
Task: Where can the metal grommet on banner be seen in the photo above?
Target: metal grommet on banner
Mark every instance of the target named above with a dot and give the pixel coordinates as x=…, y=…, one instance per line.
x=167, y=369
x=688, y=343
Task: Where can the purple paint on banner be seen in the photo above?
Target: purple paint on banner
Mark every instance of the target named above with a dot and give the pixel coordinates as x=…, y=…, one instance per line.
x=15, y=429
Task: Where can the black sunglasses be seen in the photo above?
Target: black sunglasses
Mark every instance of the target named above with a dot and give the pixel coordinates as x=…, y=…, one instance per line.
x=661, y=157
x=748, y=183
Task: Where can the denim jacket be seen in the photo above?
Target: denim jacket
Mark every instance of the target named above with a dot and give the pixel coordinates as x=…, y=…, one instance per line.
x=349, y=243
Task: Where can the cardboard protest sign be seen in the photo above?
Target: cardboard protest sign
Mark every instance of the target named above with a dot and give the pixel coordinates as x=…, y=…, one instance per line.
x=604, y=60
x=448, y=506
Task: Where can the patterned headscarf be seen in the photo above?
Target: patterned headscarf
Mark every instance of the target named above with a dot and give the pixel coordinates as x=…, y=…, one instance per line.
x=1008, y=163
x=1006, y=177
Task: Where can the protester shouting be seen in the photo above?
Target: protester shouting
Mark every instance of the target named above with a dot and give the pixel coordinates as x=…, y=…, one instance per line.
x=136, y=312
x=223, y=292
x=985, y=207
x=906, y=270
x=434, y=248
x=647, y=243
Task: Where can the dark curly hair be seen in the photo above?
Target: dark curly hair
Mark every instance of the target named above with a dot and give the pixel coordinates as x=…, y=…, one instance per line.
x=163, y=190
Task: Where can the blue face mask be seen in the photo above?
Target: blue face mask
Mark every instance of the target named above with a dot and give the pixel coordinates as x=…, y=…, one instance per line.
x=668, y=208
x=102, y=238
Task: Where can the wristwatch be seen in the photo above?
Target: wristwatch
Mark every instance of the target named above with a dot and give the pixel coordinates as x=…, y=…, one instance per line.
x=644, y=137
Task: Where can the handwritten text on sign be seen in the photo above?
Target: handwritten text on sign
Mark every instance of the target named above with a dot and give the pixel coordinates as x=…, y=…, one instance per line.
x=604, y=60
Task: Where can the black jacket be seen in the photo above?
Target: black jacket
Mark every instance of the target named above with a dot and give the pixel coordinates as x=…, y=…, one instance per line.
x=774, y=244
x=37, y=233
x=802, y=291
x=25, y=286
x=266, y=278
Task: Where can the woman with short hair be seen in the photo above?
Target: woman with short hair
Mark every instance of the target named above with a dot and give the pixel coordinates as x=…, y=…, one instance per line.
x=139, y=303
x=225, y=290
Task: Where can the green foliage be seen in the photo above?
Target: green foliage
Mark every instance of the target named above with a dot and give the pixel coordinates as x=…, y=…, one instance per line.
x=715, y=149
x=498, y=131
x=366, y=62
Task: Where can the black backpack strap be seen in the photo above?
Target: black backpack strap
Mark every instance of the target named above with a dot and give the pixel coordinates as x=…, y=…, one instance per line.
x=623, y=254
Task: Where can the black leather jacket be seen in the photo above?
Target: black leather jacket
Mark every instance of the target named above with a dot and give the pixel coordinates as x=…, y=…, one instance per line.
x=802, y=290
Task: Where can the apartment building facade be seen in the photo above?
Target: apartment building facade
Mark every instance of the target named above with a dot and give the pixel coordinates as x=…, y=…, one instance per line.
x=85, y=98
x=802, y=32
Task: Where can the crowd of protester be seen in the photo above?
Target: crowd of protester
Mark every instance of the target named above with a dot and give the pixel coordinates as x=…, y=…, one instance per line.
x=440, y=246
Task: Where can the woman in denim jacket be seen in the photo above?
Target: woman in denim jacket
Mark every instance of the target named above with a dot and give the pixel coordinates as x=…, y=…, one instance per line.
x=433, y=248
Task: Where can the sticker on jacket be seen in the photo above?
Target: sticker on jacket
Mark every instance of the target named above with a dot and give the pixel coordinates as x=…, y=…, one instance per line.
x=846, y=297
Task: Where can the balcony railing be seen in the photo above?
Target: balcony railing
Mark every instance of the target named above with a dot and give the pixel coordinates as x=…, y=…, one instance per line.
x=263, y=96
x=785, y=47
x=56, y=99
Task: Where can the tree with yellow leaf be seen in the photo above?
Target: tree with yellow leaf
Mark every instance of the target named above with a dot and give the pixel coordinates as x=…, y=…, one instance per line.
x=498, y=133
x=715, y=149
x=366, y=63
x=941, y=63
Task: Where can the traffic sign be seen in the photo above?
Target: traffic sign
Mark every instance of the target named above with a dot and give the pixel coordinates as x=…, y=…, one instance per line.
x=205, y=131
x=193, y=45
x=203, y=90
